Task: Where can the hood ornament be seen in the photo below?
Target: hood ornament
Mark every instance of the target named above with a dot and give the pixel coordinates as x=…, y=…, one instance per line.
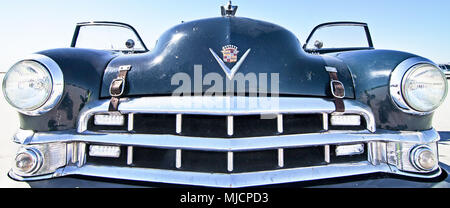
x=228, y=10
x=230, y=56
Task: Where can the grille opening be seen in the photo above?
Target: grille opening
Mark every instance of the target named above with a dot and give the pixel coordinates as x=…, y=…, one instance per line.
x=203, y=161
x=153, y=158
x=204, y=126
x=255, y=161
x=347, y=159
x=100, y=128
x=302, y=123
x=253, y=126
x=217, y=126
x=154, y=123
x=304, y=157
x=217, y=162
x=361, y=127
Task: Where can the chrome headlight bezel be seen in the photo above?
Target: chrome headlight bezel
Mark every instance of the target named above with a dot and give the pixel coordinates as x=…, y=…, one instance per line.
x=397, y=84
x=57, y=90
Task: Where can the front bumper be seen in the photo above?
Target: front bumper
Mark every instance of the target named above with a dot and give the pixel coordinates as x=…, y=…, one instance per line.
x=385, y=152
x=364, y=181
x=67, y=154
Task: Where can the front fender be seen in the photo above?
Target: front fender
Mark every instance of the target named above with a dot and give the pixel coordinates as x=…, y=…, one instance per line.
x=371, y=71
x=83, y=70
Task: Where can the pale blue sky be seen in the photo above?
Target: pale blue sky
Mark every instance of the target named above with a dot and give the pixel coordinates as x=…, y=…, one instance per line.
x=420, y=27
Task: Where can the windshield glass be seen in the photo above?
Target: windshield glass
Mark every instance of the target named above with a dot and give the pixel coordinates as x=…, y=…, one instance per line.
x=105, y=37
x=338, y=36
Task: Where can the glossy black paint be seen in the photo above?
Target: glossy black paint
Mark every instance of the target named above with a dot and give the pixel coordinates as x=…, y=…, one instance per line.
x=83, y=70
x=365, y=73
x=273, y=50
x=371, y=70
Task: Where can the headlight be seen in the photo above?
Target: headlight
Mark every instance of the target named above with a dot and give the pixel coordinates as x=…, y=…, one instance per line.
x=424, y=87
x=33, y=86
x=418, y=86
x=27, y=85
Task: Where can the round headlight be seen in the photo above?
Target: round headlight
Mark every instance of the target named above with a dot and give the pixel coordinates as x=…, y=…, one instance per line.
x=418, y=86
x=424, y=87
x=34, y=86
x=27, y=85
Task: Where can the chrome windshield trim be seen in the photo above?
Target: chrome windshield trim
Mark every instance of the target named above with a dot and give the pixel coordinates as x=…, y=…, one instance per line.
x=238, y=144
x=227, y=106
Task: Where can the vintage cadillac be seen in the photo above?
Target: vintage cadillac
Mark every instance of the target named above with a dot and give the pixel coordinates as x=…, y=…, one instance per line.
x=225, y=102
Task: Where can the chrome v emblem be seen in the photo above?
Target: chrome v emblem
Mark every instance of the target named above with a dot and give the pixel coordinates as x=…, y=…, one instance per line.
x=230, y=72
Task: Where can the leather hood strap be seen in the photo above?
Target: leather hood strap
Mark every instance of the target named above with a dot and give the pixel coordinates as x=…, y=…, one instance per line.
x=117, y=87
x=337, y=89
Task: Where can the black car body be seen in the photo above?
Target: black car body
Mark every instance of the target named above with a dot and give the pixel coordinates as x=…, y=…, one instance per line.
x=446, y=69
x=282, y=113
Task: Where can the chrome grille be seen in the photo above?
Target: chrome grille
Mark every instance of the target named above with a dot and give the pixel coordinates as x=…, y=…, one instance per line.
x=226, y=162
x=231, y=140
x=223, y=126
x=286, y=107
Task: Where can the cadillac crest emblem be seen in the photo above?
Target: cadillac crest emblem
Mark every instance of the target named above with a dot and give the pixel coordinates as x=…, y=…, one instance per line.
x=230, y=53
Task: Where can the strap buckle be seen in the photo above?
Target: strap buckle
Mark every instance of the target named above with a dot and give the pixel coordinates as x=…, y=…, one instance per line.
x=119, y=82
x=337, y=89
x=125, y=68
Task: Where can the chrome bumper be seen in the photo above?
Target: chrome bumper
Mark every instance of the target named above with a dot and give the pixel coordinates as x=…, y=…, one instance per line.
x=379, y=157
x=387, y=151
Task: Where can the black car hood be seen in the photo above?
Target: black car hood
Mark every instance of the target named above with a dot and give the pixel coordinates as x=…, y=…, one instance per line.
x=274, y=53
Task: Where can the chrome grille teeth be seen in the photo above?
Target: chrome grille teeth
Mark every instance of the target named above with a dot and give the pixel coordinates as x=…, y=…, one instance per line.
x=130, y=122
x=230, y=123
x=280, y=123
x=230, y=163
x=280, y=157
x=229, y=160
x=178, y=159
x=179, y=123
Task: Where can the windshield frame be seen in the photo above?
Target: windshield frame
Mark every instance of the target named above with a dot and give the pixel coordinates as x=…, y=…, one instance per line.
x=331, y=24
x=106, y=23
